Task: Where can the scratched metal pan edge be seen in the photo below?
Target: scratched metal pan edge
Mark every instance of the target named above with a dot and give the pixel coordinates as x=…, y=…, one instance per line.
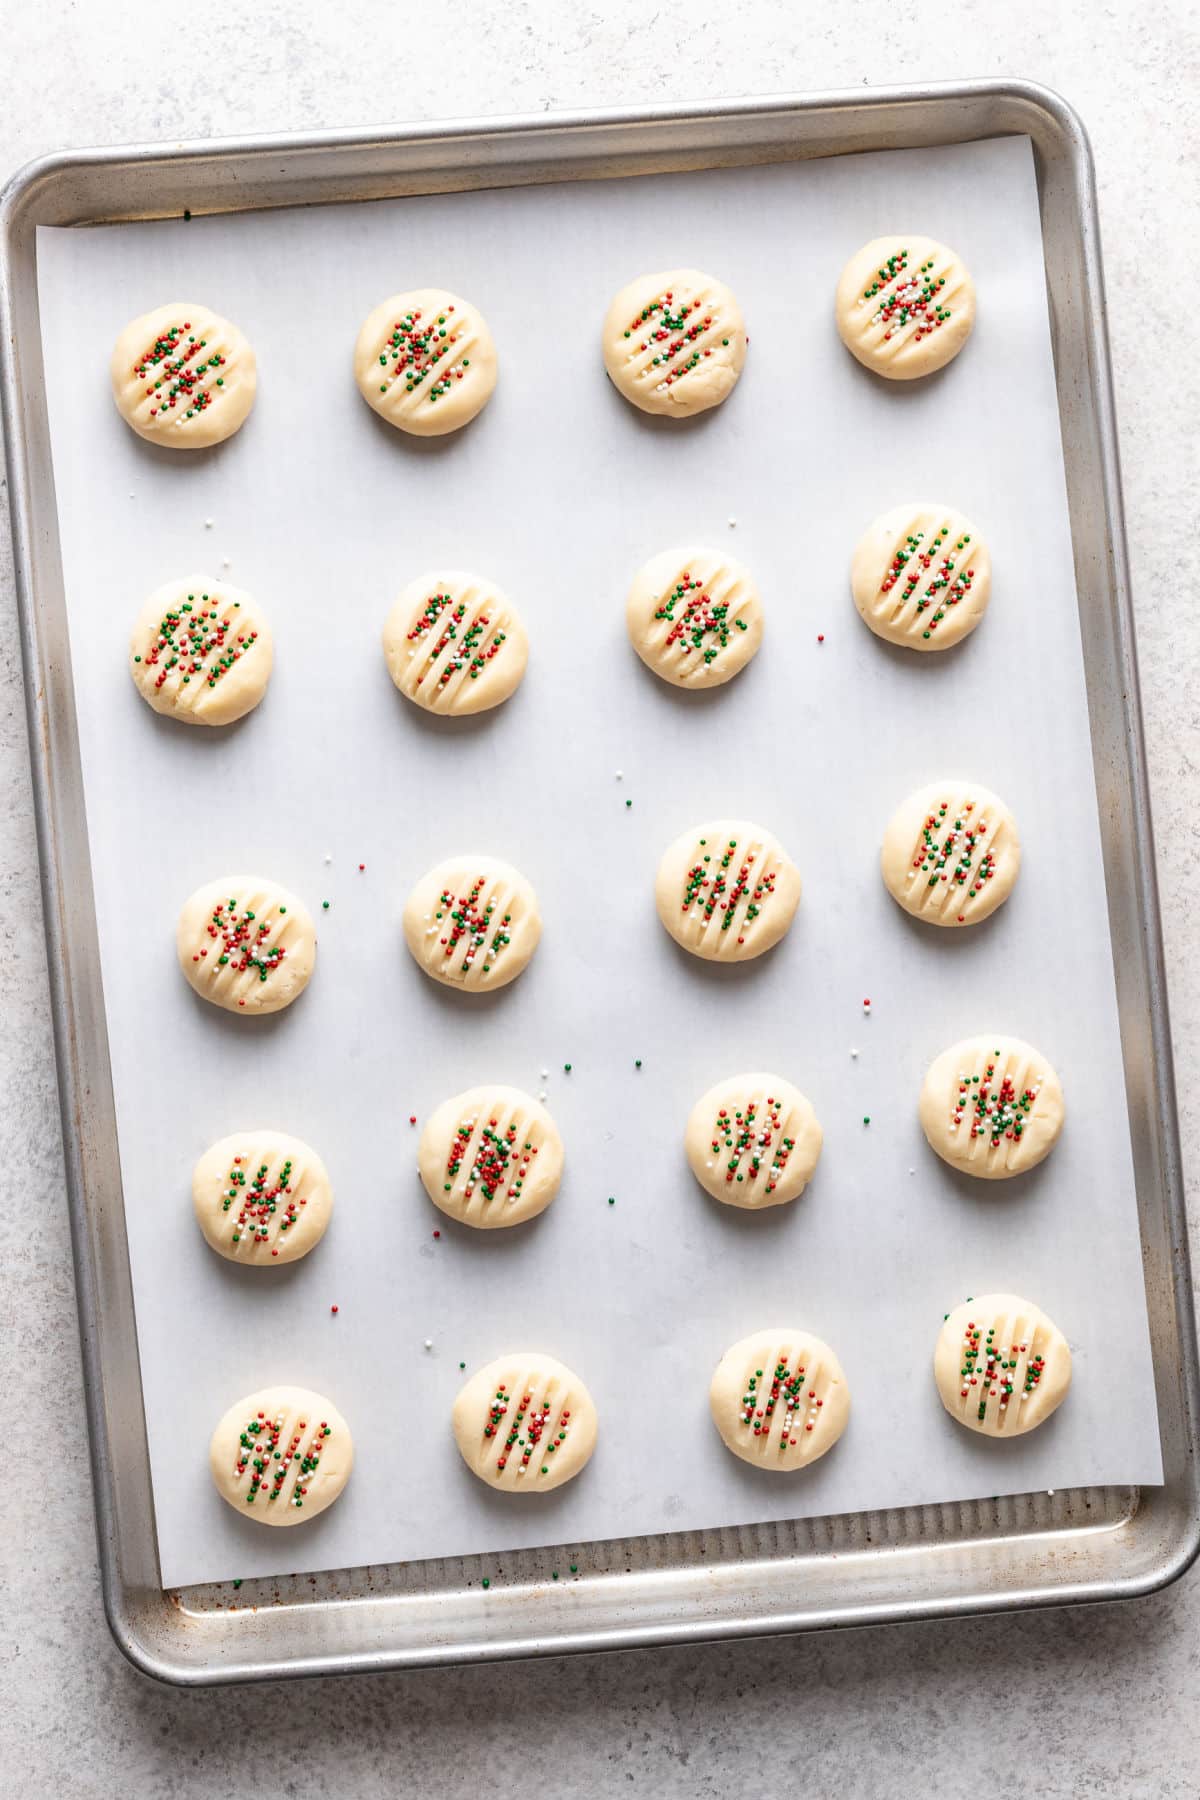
x=928, y=1562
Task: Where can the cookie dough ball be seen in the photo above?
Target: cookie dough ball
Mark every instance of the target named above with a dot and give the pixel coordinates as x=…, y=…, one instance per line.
x=694, y=616
x=905, y=306
x=753, y=1141
x=675, y=343
x=491, y=1157
x=727, y=891
x=991, y=1106
x=425, y=362
x=455, y=644
x=261, y=1197
x=1001, y=1366
x=183, y=376
x=951, y=853
x=282, y=1455
x=921, y=576
x=246, y=944
x=201, y=652
x=525, y=1423
x=779, y=1398
x=472, y=922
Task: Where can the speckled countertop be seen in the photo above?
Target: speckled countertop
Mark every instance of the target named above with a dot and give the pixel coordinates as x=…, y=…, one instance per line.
x=1092, y=1703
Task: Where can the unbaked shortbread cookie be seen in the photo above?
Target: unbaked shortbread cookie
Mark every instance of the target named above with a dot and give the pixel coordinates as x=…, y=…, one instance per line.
x=779, y=1398
x=282, y=1455
x=454, y=643
x=246, y=944
x=425, y=361
x=472, y=922
x=753, y=1141
x=183, y=377
x=261, y=1197
x=905, y=306
x=727, y=890
x=491, y=1156
x=951, y=853
x=201, y=651
x=1001, y=1365
x=991, y=1106
x=921, y=576
x=675, y=343
x=525, y=1423
x=694, y=616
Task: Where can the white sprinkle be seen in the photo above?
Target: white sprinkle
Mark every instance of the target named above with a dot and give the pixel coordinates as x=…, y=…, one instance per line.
x=620, y=774
x=208, y=524
x=545, y=1074
x=542, y=1095
x=854, y=1053
x=912, y=1171
x=429, y=1343
x=732, y=522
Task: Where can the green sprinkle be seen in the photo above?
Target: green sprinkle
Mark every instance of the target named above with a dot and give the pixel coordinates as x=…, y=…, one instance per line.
x=238, y=1582
x=866, y=1118
x=574, y=1568
x=187, y=213
x=325, y=905
x=629, y=803
x=611, y=1200
x=485, y=1582
x=566, y=1068
x=637, y=1062
x=554, y=1574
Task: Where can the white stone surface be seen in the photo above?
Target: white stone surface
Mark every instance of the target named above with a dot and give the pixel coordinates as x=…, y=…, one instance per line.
x=1093, y=1703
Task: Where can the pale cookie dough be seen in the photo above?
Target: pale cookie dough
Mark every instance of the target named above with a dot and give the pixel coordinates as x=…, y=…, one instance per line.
x=921, y=576
x=281, y=1456
x=951, y=853
x=425, y=362
x=525, y=1423
x=779, y=1398
x=675, y=343
x=905, y=306
x=727, y=890
x=201, y=652
x=694, y=616
x=991, y=1106
x=261, y=1197
x=472, y=922
x=183, y=377
x=491, y=1157
x=246, y=944
x=455, y=644
x=753, y=1141
x=1001, y=1366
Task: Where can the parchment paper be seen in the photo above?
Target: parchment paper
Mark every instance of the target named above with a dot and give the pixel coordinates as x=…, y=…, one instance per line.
x=559, y=492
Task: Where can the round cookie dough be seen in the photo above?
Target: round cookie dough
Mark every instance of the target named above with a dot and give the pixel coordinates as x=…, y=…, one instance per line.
x=472, y=922
x=694, y=616
x=675, y=343
x=281, y=1456
x=905, y=306
x=921, y=576
x=1001, y=1366
x=201, y=652
x=425, y=361
x=951, y=853
x=261, y=1197
x=246, y=944
x=779, y=1398
x=182, y=376
x=991, y=1106
x=525, y=1423
x=455, y=644
x=753, y=1141
x=727, y=890
x=491, y=1157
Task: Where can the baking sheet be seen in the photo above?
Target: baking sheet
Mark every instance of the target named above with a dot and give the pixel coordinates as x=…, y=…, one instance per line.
x=559, y=491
